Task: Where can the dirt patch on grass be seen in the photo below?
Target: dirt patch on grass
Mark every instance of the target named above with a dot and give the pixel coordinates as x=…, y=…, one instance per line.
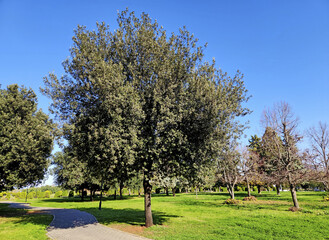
x=268, y=202
x=134, y=229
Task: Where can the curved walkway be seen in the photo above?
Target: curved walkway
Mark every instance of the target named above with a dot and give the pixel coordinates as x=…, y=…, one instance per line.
x=71, y=224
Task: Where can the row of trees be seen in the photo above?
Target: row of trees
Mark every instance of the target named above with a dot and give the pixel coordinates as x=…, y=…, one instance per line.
x=275, y=158
x=137, y=101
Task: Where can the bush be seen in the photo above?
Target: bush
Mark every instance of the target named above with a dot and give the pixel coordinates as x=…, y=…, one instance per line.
x=231, y=201
x=1, y=194
x=59, y=194
x=47, y=194
x=40, y=194
x=22, y=195
x=65, y=193
x=31, y=195
x=238, y=189
x=251, y=198
x=255, y=189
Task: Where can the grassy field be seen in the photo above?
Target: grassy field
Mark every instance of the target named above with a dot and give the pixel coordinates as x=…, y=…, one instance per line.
x=19, y=224
x=206, y=217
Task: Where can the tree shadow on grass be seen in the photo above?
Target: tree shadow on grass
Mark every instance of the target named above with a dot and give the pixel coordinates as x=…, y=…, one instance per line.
x=22, y=216
x=128, y=215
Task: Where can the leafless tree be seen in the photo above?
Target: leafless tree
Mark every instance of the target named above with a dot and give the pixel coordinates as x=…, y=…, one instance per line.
x=229, y=168
x=286, y=160
x=319, y=138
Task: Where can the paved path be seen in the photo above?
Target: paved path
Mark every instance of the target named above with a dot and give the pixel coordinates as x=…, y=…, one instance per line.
x=71, y=224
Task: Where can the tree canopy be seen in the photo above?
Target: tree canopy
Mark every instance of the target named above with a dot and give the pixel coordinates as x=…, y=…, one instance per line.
x=26, y=138
x=139, y=98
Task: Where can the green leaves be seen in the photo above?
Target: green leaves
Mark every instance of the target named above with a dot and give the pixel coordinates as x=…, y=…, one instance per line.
x=26, y=138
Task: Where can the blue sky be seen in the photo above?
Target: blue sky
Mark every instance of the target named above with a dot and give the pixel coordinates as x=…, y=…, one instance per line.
x=282, y=47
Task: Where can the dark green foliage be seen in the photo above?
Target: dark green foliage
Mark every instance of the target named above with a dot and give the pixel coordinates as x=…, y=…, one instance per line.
x=26, y=138
x=137, y=98
x=71, y=193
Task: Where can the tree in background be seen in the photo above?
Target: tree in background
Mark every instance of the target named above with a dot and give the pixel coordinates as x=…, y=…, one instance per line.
x=319, y=138
x=230, y=168
x=286, y=160
x=26, y=138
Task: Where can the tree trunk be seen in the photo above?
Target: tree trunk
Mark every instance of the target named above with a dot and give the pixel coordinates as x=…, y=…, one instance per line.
x=196, y=192
x=259, y=191
x=219, y=189
x=121, y=187
x=82, y=195
x=27, y=192
x=167, y=192
x=129, y=191
x=230, y=190
x=100, y=199
x=139, y=192
x=147, y=203
x=294, y=195
x=248, y=186
x=91, y=195
x=115, y=194
x=278, y=189
x=174, y=191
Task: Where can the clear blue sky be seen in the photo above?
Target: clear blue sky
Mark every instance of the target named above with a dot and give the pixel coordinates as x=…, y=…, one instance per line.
x=282, y=47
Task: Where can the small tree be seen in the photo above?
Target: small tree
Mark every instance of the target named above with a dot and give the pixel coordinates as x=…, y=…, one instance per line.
x=285, y=162
x=319, y=138
x=229, y=168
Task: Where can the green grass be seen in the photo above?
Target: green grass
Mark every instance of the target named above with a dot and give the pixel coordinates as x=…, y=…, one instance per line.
x=16, y=224
x=185, y=217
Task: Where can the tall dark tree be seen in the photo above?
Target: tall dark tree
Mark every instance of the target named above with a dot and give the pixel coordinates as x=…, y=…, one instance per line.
x=26, y=138
x=138, y=97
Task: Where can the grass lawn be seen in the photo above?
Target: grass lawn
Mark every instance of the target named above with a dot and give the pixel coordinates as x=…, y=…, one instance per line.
x=19, y=224
x=185, y=217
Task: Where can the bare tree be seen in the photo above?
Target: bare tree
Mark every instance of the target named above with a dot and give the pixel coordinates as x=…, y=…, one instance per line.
x=319, y=138
x=286, y=159
x=229, y=167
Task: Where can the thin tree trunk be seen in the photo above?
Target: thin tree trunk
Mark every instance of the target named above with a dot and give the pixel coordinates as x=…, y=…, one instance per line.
x=27, y=192
x=82, y=195
x=115, y=194
x=147, y=203
x=139, y=192
x=294, y=195
x=91, y=195
x=174, y=191
x=230, y=190
x=121, y=187
x=248, y=186
x=219, y=189
x=259, y=191
x=167, y=192
x=278, y=189
x=129, y=191
x=100, y=199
